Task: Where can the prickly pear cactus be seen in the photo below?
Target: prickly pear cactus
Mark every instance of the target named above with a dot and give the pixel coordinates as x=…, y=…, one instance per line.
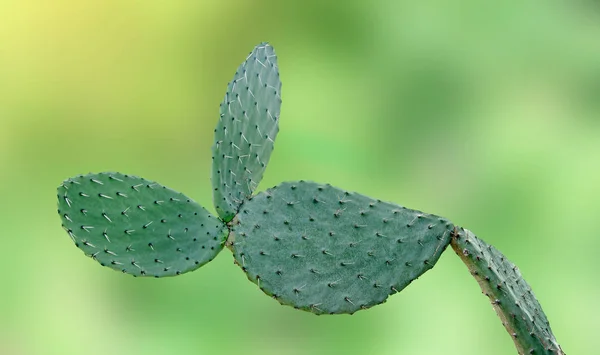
x=138, y=226
x=246, y=130
x=511, y=296
x=324, y=250
x=314, y=247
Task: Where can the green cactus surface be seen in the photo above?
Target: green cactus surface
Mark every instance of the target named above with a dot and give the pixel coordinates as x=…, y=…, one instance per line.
x=246, y=131
x=509, y=293
x=138, y=226
x=324, y=250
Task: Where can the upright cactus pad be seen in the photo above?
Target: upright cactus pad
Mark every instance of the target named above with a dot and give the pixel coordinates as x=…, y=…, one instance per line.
x=511, y=296
x=321, y=249
x=246, y=130
x=138, y=226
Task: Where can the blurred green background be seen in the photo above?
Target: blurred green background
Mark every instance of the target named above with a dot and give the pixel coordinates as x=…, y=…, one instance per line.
x=485, y=112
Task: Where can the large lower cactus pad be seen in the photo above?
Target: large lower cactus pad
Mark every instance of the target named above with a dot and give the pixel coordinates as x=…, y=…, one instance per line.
x=321, y=249
x=138, y=226
x=511, y=296
x=246, y=130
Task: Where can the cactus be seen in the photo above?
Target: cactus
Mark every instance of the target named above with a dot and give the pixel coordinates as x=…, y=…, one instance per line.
x=311, y=246
x=137, y=226
x=509, y=293
x=246, y=130
x=325, y=250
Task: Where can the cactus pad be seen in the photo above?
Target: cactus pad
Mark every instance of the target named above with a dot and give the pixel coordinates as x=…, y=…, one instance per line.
x=138, y=226
x=511, y=296
x=321, y=249
x=246, y=131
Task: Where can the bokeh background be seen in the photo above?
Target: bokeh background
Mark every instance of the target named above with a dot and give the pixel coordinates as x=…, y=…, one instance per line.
x=485, y=112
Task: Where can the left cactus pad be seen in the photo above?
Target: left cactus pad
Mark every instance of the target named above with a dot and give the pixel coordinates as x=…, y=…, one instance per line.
x=138, y=226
